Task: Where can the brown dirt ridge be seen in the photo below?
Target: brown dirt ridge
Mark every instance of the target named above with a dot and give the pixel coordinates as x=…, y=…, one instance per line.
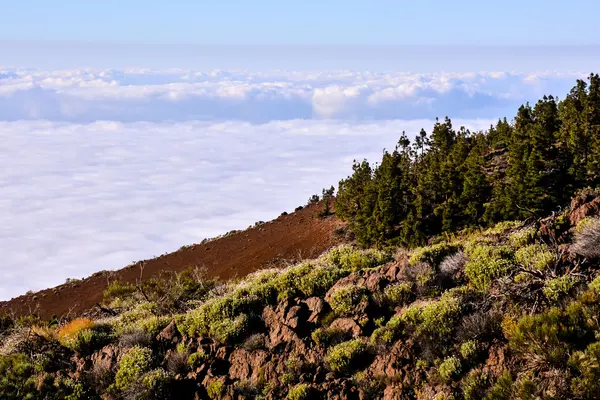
x=288, y=238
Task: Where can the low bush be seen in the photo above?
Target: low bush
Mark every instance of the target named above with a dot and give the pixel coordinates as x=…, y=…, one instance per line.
x=587, y=365
x=299, y=392
x=452, y=264
x=474, y=385
x=118, y=290
x=522, y=237
x=350, y=259
x=17, y=380
x=548, y=336
x=535, y=256
x=347, y=356
x=326, y=337
x=215, y=390
x=434, y=321
x=195, y=360
x=398, y=294
x=558, y=288
x=347, y=299
x=134, y=364
x=434, y=254
x=487, y=263
x=469, y=349
x=449, y=368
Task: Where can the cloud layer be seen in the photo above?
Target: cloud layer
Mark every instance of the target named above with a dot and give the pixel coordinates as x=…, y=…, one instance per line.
x=78, y=198
x=182, y=95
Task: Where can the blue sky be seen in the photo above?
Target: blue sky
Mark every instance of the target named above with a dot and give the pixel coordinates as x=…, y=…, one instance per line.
x=312, y=22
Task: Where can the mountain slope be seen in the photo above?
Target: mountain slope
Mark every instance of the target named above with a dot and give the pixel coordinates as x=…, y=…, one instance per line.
x=286, y=239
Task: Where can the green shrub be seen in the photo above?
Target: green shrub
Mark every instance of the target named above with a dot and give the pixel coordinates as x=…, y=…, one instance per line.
x=89, y=340
x=473, y=386
x=210, y=318
x=433, y=255
x=319, y=280
x=230, y=331
x=398, y=294
x=325, y=337
x=549, y=335
x=134, y=364
x=347, y=355
x=502, y=389
x=299, y=392
x=195, y=360
x=288, y=379
x=434, y=321
x=349, y=259
x=389, y=333
x=522, y=237
x=469, y=348
x=595, y=285
x=535, y=256
x=17, y=380
x=558, y=288
x=215, y=390
x=346, y=299
x=449, y=368
x=157, y=384
x=587, y=365
x=502, y=227
x=487, y=263
x=118, y=290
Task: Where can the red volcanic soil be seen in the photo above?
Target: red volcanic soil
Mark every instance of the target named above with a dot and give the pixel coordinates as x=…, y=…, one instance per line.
x=286, y=239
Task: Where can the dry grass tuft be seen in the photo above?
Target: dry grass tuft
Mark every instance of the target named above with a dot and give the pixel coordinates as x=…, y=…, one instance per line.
x=71, y=330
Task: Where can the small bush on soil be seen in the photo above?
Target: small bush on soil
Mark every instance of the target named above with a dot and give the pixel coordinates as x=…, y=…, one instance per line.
x=449, y=368
x=196, y=359
x=346, y=356
x=535, y=256
x=398, y=294
x=433, y=255
x=326, y=337
x=215, y=390
x=347, y=298
x=558, y=288
x=487, y=263
x=469, y=349
x=299, y=392
x=118, y=290
x=522, y=237
x=349, y=259
x=134, y=364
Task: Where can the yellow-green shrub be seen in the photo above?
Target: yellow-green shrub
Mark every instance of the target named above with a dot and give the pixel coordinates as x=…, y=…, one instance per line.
x=435, y=320
x=558, y=288
x=449, y=368
x=299, y=392
x=349, y=259
x=487, y=263
x=347, y=298
x=134, y=364
x=434, y=254
x=347, y=355
x=535, y=256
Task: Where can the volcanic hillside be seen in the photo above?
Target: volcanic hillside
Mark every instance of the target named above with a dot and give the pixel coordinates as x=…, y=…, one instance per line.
x=287, y=239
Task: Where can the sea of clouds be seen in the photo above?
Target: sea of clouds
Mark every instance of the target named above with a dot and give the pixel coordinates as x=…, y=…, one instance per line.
x=101, y=168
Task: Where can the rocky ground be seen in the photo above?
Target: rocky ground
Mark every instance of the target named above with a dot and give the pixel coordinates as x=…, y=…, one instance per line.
x=509, y=312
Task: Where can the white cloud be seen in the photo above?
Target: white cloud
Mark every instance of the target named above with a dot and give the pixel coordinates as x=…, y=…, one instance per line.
x=97, y=188
x=180, y=95
x=78, y=198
